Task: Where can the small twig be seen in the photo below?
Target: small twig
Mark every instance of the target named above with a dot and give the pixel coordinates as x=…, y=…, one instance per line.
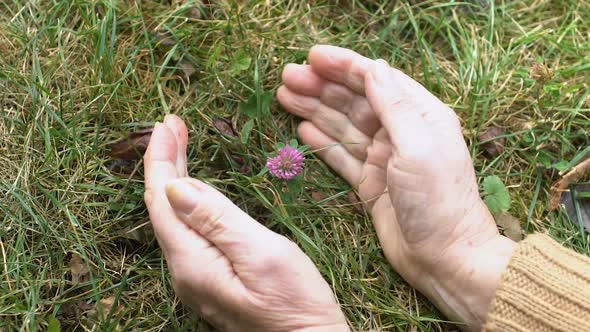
x=570, y=177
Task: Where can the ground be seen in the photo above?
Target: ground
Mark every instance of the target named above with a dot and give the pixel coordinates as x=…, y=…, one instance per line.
x=77, y=76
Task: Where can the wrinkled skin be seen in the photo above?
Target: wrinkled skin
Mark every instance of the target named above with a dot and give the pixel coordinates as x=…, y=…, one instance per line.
x=402, y=149
x=396, y=144
x=236, y=273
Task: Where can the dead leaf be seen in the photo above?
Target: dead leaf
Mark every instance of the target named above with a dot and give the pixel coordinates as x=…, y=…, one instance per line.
x=142, y=233
x=570, y=177
x=71, y=313
x=187, y=69
x=541, y=73
x=194, y=12
x=164, y=37
x=198, y=9
x=357, y=205
x=238, y=159
x=494, y=146
x=133, y=147
x=78, y=269
x=318, y=196
x=104, y=307
x=84, y=306
x=140, y=133
x=245, y=169
x=225, y=127
x=510, y=225
x=120, y=166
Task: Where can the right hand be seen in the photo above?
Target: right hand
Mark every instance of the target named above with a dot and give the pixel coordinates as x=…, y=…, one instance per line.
x=235, y=272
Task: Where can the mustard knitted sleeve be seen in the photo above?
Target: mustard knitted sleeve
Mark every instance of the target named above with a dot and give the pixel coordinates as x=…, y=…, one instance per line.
x=546, y=287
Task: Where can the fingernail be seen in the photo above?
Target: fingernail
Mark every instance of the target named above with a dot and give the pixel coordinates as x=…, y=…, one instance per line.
x=380, y=72
x=295, y=68
x=182, y=195
x=167, y=118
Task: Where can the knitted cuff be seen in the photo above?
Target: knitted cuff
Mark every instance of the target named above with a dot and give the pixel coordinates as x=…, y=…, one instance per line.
x=546, y=287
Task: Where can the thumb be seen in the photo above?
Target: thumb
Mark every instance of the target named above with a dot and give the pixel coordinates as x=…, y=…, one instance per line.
x=217, y=219
x=398, y=111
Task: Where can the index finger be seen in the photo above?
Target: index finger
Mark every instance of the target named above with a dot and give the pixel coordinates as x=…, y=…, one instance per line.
x=340, y=65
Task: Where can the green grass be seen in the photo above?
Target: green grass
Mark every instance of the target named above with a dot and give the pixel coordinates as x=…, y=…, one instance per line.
x=76, y=76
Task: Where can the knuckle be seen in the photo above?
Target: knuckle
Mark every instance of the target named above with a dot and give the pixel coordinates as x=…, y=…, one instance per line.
x=208, y=220
x=279, y=255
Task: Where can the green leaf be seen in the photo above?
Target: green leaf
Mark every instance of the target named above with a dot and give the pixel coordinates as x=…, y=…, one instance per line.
x=497, y=197
x=246, y=131
x=54, y=325
x=528, y=138
x=545, y=159
x=294, y=143
x=265, y=100
x=295, y=186
x=241, y=62
x=249, y=107
x=263, y=171
x=279, y=146
x=561, y=166
x=214, y=57
x=256, y=105
x=304, y=148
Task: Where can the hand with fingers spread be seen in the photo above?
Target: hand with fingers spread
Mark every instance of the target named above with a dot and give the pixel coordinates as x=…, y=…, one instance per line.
x=235, y=272
x=403, y=151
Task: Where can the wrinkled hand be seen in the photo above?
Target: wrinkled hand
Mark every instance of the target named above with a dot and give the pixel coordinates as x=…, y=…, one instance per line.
x=403, y=151
x=444, y=228
x=236, y=273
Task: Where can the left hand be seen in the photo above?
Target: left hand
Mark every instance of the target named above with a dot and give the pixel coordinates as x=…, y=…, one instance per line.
x=235, y=272
x=410, y=165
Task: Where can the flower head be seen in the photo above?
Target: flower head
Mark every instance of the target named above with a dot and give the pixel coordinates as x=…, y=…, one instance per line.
x=287, y=164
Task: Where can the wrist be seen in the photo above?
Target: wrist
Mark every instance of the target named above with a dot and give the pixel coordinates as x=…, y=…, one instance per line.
x=342, y=327
x=467, y=293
